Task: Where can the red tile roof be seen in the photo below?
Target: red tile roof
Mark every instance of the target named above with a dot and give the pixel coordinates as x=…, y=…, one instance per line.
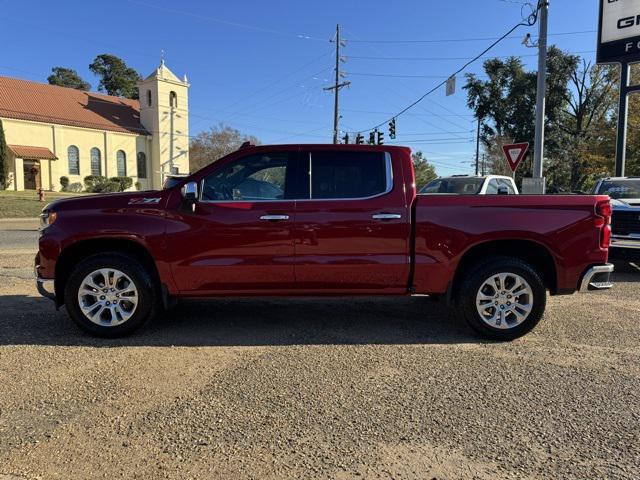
x=32, y=153
x=39, y=102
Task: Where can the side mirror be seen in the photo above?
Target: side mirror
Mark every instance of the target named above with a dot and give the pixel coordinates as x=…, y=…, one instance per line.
x=190, y=194
x=502, y=190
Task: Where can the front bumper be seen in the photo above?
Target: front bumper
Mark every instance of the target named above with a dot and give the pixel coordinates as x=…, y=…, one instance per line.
x=45, y=286
x=597, y=278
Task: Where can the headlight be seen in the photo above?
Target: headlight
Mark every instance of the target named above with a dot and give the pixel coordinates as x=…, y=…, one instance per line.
x=47, y=218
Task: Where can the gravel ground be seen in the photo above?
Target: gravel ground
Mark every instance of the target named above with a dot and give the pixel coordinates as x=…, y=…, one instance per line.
x=320, y=388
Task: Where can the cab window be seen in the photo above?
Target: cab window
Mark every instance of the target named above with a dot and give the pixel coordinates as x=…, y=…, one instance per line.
x=492, y=188
x=508, y=185
x=348, y=175
x=261, y=177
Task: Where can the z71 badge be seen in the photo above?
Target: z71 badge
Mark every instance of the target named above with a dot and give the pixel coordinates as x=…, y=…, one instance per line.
x=144, y=201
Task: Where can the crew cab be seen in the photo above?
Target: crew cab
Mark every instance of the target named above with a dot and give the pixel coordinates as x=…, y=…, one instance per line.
x=625, y=202
x=472, y=185
x=319, y=220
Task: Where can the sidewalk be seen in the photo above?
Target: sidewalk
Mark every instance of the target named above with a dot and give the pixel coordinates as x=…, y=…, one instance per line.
x=23, y=224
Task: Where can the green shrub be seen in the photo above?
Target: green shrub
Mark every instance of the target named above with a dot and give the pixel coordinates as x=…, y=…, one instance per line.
x=75, y=187
x=92, y=183
x=138, y=186
x=124, y=182
x=100, y=184
x=110, y=187
x=64, y=183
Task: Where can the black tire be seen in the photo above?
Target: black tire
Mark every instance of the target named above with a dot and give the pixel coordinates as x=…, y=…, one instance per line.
x=475, y=278
x=148, y=297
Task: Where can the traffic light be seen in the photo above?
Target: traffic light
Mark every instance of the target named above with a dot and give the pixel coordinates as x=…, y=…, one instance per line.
x=345, y=139
x=359, y=139
x=392, y=129
x=372, y=138
x=380, y=139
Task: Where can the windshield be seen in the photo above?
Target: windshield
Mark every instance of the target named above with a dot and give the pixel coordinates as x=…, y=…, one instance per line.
x=620, y=188
x=461, y=186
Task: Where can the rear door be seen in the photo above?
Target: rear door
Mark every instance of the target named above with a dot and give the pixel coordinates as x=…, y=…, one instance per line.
x=352, y=223
x=240, y=236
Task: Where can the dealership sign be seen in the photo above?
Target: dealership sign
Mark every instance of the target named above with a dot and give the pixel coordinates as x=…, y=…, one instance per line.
x=619, y=31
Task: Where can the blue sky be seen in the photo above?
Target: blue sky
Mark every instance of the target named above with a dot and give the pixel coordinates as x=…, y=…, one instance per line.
x=261, y=66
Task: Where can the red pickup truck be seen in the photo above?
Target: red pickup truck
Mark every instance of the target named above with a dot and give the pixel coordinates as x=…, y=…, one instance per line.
x=317, y=220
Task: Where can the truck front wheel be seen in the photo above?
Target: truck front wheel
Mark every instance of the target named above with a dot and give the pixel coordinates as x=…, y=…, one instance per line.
x=502, y=298
x=110, y=295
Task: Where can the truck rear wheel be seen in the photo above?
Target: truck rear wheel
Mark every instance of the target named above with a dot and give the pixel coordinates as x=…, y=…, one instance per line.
x=110, y=295
x=502, y=298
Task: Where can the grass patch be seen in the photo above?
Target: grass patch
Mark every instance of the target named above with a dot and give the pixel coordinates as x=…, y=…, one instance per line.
x=25, y=204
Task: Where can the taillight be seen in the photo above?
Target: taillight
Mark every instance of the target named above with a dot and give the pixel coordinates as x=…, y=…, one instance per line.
x=603, y=221
x=604, y=210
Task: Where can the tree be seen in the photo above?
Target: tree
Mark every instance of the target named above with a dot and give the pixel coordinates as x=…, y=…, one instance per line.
x=5, y=180
x=212, y=145
x=506, y=102
x=67, y=77
x=424, y=171
x=584, y=149
x=116, y=78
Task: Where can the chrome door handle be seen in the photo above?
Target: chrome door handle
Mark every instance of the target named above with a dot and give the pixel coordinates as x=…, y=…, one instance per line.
x=274, y=218
x=386, y=216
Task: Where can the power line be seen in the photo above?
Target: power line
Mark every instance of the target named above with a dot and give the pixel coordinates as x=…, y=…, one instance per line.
x=433, y=59
x=480, y=39
x=412, y=114
x=401, y=94
x=275, y=82
x=394, y=75
x=530, y=21
x=246, y=26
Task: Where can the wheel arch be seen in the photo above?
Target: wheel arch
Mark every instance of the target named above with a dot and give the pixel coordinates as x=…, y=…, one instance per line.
x=529, y=251
x=82, y=249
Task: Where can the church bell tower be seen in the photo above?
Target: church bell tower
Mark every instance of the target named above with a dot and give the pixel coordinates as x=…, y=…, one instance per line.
x=164, y=113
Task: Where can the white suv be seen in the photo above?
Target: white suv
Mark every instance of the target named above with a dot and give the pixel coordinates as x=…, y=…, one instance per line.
x=470, y=185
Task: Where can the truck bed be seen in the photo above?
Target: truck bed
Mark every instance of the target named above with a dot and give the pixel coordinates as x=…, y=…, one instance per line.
x=449, y=228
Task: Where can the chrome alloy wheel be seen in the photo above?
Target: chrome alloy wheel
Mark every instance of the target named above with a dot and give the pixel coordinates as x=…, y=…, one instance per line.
x=504, y=300
x=108, y=297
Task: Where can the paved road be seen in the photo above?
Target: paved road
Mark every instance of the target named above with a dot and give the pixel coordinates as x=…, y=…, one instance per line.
x=320, y=388
x=19, y=234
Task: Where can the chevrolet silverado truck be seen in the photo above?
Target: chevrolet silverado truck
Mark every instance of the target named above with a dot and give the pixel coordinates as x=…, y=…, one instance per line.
x=319, y=220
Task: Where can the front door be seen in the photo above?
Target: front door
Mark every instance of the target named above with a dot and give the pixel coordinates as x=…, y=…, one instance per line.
x=240, y=237
x=352, y=231
x=31, y=174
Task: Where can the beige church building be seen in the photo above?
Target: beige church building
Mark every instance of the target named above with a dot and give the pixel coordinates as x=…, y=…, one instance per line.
x=55, y=131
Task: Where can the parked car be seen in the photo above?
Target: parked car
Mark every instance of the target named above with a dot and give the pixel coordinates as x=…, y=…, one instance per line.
x=472, y=185
x=337, y=220
x=625, y=222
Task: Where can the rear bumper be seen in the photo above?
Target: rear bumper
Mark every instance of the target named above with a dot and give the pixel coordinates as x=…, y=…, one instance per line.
x=597, y=278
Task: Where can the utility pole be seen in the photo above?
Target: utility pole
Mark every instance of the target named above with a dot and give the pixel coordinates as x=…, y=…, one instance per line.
x=543, y=11
x=478, y=147
x=337, y=86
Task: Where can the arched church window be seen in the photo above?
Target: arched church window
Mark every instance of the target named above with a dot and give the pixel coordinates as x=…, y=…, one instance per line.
x=142, y=165
x=149, y=99
x=73, y=155
x=121, y=162
x=173, y=99
x=96, y=164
